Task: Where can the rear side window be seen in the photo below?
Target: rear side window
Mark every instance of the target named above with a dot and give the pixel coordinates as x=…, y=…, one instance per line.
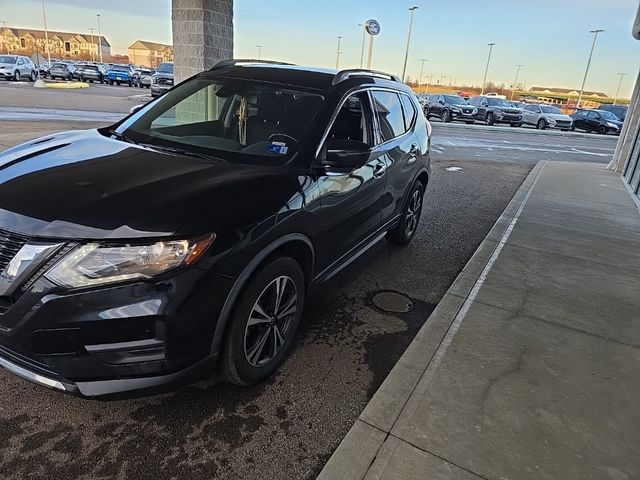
x=390, y=117
x=409, y=111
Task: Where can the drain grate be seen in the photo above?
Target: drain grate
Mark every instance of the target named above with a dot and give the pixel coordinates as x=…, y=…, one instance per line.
x=392, y=302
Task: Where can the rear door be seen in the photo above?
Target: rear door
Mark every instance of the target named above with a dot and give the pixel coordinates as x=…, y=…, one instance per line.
x=396, y=115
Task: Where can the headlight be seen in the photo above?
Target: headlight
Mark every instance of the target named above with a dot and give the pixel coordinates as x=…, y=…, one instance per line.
x=95, y=264
x=456, y=109
x=154, y=80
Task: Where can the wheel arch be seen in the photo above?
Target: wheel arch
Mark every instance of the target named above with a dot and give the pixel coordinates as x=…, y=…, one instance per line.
x=295, y=245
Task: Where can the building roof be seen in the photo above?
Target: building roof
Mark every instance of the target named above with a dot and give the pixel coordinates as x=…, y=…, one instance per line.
x=566, y=91
x=65, y=36
x=138, y=44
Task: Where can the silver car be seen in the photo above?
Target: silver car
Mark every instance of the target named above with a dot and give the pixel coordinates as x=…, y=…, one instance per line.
x=546, y=116
x=17, y=67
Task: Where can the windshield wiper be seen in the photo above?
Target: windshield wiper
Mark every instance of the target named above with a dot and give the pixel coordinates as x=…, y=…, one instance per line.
x=120, y=136
x=176, y=150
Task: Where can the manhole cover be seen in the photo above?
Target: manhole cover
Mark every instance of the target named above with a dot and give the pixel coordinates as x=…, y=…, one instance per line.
x=392, y=302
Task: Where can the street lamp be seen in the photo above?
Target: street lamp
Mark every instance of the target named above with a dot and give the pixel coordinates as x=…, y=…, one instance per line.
x=622, y=75
x=338, y=52
x=586, y=72
x=46, y=34
x=259, y=51
x=422, y=60
x=99, y=38
x=515, y=82
x=486, y=70
x=93, y=45
x=406, y=53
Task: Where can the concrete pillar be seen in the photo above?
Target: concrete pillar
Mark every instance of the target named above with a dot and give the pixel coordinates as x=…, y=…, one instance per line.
x=202, y=35
x=629, y=132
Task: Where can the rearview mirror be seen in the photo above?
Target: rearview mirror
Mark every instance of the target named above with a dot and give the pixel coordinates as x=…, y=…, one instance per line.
x=346, y=154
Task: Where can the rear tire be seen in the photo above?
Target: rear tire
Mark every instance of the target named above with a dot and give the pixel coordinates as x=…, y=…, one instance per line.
x=406, y=229
x=244, y=360
x=489, y=119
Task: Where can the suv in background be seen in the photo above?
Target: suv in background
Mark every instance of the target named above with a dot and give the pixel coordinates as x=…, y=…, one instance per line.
x=142, y=77
x=245, y=186
x=120, y=74
x=17, y=67
x=619, y=111
x=450, y=107
x=62, y=70
x=90, y=72
x=546, y=116
x=599, y=121
x=492, y=109
x=162, y=80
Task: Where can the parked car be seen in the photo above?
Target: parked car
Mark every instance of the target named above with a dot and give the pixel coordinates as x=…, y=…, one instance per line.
x=599, y=121
x=90, y=72
x=450, y=107
x=546, y=116
x=142, y=77
x=62, y=70
x=215, y=224
x=120, y=74
x=162, y=80
x=619, y=111
x=496, y=110
x=43, y=68
x=17, y=67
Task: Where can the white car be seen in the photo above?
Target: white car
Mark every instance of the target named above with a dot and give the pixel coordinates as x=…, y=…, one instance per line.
x=546, y=116
x=16, y=67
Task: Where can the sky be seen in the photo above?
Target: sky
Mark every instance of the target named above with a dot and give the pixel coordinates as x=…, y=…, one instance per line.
x=549, y=37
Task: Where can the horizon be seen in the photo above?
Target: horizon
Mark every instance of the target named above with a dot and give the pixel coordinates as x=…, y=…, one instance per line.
x=554, y=52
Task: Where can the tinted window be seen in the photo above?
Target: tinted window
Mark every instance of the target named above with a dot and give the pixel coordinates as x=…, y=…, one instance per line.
x=498, y=102
x=390, y=118
x=165, y=68
x=7, y=59
x=594, y=115
x=455, y=100
x=350, y=121
x=550, y=109
x=409, y=111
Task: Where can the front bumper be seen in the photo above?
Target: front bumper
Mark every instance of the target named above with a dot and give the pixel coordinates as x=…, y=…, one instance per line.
x=465, y=117
x=115, y=340
x=158, y=89
x=6, y=74
x=507, y=118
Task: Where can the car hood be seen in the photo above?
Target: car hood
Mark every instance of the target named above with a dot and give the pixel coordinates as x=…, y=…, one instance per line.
x=163, y=75
x=558, y=116
x=84, y=185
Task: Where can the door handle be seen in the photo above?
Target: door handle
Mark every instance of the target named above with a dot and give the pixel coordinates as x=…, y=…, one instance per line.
x=379, y=170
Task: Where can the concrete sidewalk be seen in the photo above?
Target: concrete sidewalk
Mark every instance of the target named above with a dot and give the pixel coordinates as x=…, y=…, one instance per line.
x=529, y=368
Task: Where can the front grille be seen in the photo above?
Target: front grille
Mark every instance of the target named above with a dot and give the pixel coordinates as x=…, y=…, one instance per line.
x=165, y=81
x=512, y=112
x=10, y=244
x=563, y=123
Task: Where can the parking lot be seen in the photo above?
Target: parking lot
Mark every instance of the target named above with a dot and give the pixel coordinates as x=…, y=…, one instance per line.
x=288, y=426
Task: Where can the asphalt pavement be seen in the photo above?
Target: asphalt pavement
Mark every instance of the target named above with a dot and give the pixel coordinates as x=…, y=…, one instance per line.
x=288, y=426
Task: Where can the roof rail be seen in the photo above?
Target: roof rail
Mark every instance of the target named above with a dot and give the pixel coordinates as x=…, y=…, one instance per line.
x=352, y=72
x=234, y=61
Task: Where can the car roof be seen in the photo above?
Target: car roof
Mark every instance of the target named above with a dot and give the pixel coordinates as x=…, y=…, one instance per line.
x=304, y=76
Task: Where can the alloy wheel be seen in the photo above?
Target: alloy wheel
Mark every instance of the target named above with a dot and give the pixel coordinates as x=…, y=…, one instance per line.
x=270, y=320
x=413, y=213
x=16, y=77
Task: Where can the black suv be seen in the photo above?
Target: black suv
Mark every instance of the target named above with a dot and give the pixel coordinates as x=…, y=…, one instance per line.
x=162, y=80
x=496, y=110
x=450, y=107
x=183, y=240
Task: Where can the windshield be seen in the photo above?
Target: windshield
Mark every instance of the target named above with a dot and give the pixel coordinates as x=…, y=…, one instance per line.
x=165, y=68
x=455, y=100
x=498, y=102
x=243, y=118
x=7, y=59
x=548, y=109
x=59, y=65
x=118, y=68
x=608, y=115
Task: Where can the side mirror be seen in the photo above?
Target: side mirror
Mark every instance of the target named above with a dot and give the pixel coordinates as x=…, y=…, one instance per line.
x=135, y=108
x=345, y=154
x=441, y=102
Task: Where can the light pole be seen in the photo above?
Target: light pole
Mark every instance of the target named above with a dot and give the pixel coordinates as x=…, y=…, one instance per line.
x=364, y=35
x=4, y=25
x=46, y=34
x=622, y=75
x=406, y=53
x=99, y=38
x=93, y=45
x=515, y=82
x=259, y=51
x=422, y=60
x=586, y=72
x=338, y=52
x=486, y=70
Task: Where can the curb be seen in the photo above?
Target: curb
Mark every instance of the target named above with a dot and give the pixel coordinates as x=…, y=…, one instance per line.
x=67, y=85
x=363, y=444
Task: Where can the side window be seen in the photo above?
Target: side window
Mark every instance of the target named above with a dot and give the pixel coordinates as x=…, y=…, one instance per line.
x=351, y=122
x=472, y=101
x=389, y=111
x=409, y=111
x=594, y=115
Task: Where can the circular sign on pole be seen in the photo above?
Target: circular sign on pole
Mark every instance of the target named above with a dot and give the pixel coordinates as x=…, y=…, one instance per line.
x=372, y=27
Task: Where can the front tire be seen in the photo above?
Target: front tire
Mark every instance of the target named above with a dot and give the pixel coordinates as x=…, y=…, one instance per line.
x=33, y=76
x=542, y=124
x=446, y=116
x=406, y=229
x=489, y=119
x=602, y=130
x=16, y=76
x=264, y=322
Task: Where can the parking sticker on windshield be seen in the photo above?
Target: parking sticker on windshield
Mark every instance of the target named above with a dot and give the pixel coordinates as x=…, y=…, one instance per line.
x=279, y=148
